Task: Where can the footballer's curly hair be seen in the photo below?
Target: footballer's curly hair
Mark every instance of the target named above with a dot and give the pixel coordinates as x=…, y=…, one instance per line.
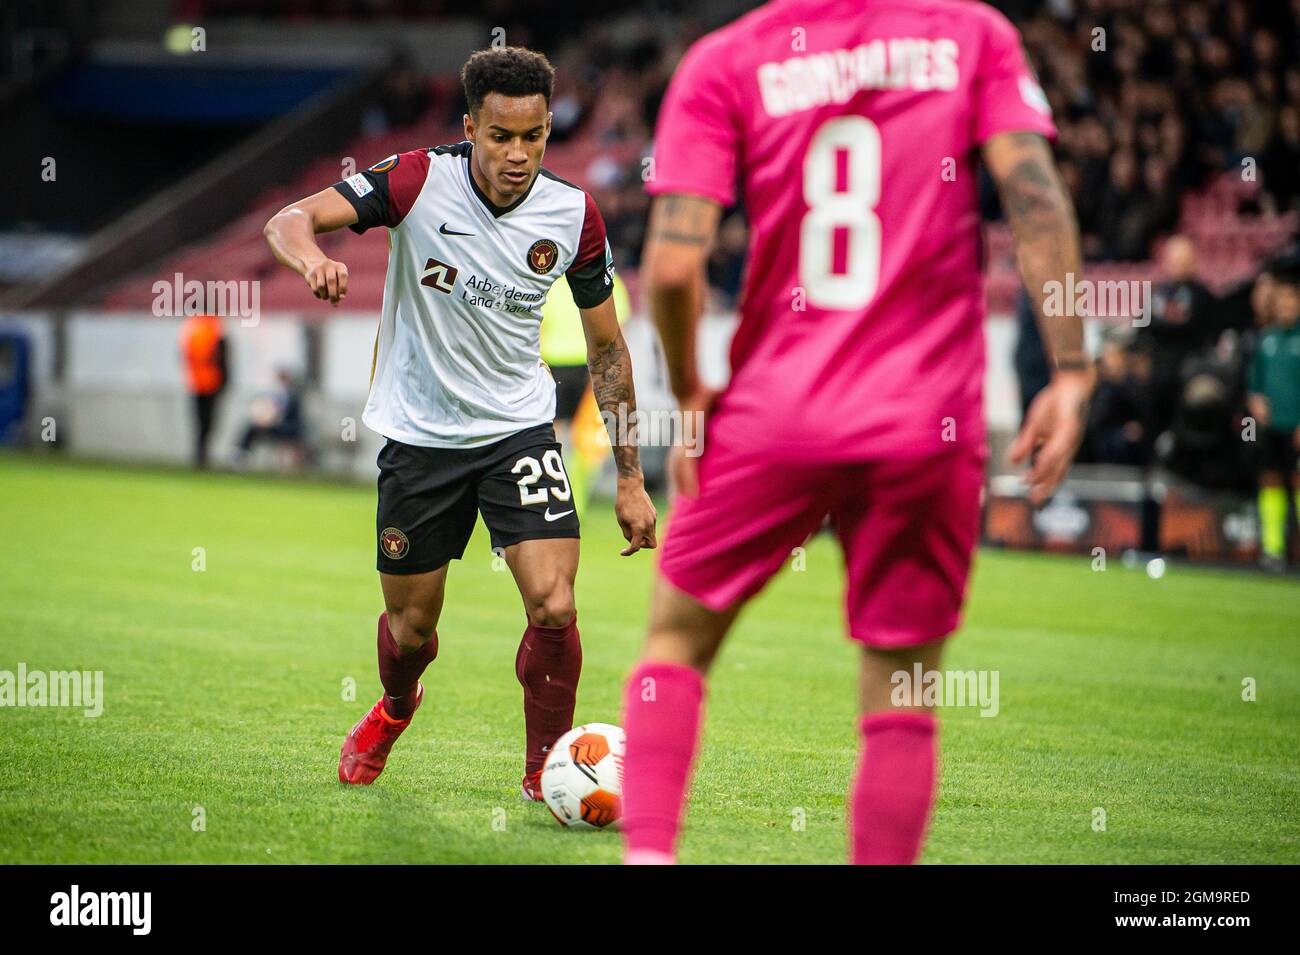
x=508, y=70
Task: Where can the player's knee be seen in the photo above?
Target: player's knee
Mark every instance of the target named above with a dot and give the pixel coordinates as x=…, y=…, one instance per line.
x=412, y=627
x=554, y=608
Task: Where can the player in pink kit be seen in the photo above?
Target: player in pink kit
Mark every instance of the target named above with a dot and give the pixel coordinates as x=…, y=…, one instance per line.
x=852, y=127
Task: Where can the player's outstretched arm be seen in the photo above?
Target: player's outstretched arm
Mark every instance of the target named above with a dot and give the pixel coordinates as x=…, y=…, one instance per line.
x=291, y=234
x=1046, y=234
x=611, y=383
x=681, y=234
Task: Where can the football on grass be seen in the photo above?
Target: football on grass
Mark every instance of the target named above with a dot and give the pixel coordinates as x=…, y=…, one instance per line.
x=582, y=780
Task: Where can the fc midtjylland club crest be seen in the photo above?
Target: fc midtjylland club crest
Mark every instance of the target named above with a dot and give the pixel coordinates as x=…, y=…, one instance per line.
x=542, y=255
x=394, y=543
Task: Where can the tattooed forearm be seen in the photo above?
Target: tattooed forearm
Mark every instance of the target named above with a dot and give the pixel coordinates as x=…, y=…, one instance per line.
x=1046, y=235
x=611, y=381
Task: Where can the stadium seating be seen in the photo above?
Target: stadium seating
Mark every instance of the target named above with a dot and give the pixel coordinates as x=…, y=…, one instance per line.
x=239, y=252
x=1231, y=244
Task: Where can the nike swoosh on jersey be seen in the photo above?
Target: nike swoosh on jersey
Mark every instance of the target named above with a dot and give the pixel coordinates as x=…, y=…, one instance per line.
x=555, y=517
x=445, y=231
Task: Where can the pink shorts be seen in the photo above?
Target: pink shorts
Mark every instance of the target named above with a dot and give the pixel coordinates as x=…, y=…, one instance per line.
x=907, y=528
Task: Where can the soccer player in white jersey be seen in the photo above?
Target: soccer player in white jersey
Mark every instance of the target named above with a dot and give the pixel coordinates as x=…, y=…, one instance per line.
x=478, y=232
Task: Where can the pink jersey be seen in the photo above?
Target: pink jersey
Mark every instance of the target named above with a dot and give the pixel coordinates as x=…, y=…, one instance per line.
x=851, y=127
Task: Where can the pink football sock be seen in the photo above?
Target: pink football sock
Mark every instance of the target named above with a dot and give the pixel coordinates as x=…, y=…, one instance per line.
x=661, y=716
x=894, y=788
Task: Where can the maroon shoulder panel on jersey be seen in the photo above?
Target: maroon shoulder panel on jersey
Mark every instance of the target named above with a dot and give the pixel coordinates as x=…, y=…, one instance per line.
x=591, y=274
x=591, y=244
x=383, y=194
x=406, y=178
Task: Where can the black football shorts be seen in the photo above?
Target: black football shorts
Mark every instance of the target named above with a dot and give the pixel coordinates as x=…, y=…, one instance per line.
x=428, y=498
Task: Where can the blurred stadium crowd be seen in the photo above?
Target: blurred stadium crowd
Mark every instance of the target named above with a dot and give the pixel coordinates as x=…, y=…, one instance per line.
x=1171, y=115
x=1155, y=103
x=1179, y=138
x=1152, y=99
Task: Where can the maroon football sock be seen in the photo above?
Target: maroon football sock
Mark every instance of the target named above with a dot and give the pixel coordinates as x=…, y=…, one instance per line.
x=399, y=671
x=548, y=665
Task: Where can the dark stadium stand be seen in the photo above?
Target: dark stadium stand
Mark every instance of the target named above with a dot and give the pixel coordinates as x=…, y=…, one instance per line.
x=1231, y=244
x=1169, y=124
x=1186, y=99
x=239, y=251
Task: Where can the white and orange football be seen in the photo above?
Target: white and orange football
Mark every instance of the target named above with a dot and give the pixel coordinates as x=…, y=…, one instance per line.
x=582, y=780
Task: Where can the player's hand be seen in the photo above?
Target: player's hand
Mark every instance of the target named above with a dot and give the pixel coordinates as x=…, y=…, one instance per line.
x=636, y=515
x=1052, y=431
x=328, y=280
x=683, y=467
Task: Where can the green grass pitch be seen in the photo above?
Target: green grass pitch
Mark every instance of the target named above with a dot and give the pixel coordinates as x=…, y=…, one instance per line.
x=224, y=689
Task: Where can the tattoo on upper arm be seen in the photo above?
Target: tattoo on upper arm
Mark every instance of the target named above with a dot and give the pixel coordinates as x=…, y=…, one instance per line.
x=688, y=220
x=1033, y=196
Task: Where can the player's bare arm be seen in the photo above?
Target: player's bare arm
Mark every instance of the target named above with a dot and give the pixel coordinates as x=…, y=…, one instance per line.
x=681, y=233
x=611, y=382
x=291, y=234
x=1042, y=220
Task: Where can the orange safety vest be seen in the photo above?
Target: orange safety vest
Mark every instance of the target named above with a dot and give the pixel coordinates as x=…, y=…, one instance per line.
x=200, y=336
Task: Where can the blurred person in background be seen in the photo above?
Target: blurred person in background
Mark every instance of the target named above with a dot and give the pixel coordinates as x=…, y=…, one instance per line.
x=405, y=94
x=206, y=358
x=1181, y=322
x=1118, y=432
x=1136, y=206
x=1121, y=220
x=1238, y=309
x=1203, y=444
x=1274, y=403
x=625, y=224
x=1280, y=163
x=276, y=418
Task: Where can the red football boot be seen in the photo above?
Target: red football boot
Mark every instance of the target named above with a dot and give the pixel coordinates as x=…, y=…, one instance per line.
x=366, y=748
x=531, y=789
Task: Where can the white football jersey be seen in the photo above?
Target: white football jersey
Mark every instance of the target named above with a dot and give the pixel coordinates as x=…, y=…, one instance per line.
x=457, y=359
